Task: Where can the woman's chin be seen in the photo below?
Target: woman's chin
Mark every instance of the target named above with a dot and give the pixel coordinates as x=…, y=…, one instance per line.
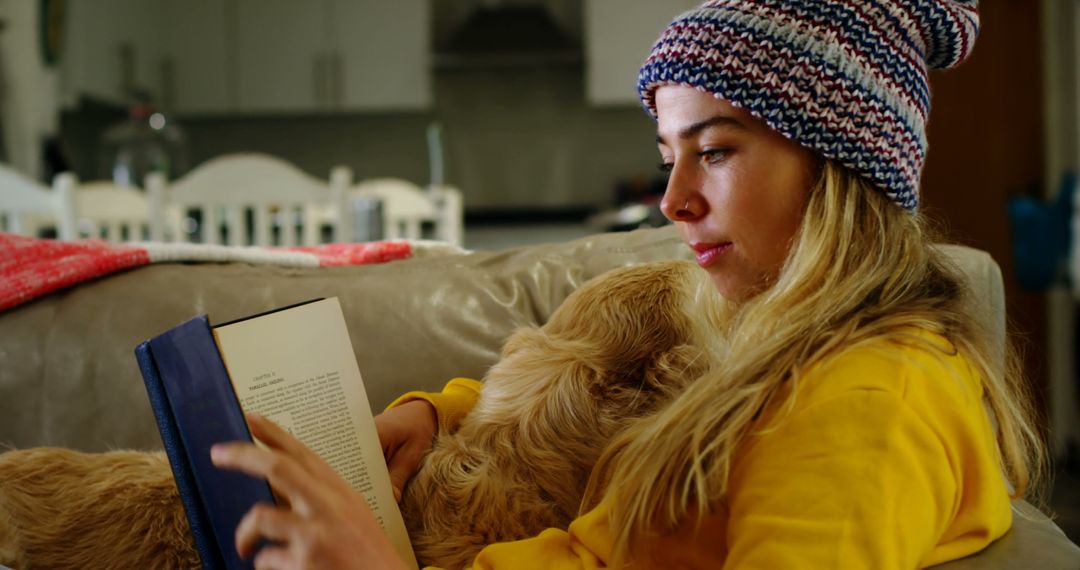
x=728, y=287
x=734, y=288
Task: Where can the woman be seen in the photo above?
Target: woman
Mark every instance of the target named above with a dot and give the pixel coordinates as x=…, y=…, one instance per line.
x=850, y=424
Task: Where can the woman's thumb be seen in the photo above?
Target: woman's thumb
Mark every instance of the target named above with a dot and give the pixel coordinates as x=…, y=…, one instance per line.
x=402, y=467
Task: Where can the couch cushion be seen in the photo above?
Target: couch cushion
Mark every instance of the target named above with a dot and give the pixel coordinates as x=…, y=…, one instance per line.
x=1033, y=542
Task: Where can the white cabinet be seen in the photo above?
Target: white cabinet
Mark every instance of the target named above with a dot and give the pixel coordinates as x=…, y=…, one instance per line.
x=194, y=57
x=111, y=46
x=281, y=55
x=332, y=55
x=382, y=56
x=252, y=56
x=618, y=36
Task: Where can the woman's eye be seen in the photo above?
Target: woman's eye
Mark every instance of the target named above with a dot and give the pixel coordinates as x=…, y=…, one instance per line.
x=709, y=156
x=714, y=155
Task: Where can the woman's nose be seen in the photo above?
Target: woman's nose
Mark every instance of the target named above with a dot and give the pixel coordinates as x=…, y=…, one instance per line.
x=681, y=202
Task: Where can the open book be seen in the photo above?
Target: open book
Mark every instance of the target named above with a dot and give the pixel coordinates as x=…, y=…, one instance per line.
x=294, y=366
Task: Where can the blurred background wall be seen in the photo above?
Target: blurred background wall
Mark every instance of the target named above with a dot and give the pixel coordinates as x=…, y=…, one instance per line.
x=535, y=98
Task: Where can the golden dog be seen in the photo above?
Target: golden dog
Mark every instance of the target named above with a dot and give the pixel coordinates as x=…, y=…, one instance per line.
x=617, y=349
x=614, y=351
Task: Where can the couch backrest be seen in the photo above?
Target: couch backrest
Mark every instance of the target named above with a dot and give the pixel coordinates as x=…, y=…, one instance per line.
x=414, y=324
x=987, y=302
x=68, y=376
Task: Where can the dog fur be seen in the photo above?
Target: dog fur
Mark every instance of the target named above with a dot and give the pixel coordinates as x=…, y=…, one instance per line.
x=614, y=351
x=67, y=509
x=618, y=348
x=9, y=548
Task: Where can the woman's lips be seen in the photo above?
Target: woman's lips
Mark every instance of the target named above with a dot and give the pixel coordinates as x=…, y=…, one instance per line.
x=708, y=253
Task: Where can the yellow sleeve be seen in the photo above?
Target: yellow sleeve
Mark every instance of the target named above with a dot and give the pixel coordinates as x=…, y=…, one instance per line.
x=451, y=405
x=858, y=480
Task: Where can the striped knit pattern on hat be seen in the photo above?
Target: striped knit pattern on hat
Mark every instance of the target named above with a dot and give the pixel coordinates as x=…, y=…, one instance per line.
x=846, y=78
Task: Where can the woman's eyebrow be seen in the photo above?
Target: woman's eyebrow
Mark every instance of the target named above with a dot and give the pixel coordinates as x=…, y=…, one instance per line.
x=696, y=128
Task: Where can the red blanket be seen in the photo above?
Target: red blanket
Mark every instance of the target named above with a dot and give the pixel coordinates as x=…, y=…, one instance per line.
x=30, y=268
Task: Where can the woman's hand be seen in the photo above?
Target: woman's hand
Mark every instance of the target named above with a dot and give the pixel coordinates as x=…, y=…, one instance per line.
x=406, y=433
x=327, y=524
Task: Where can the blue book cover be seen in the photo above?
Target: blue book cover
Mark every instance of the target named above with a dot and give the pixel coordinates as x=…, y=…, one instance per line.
x=174, y=449
x=195, y=407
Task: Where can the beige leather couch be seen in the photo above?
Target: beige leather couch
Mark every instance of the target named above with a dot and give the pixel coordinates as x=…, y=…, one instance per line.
x=68, y=376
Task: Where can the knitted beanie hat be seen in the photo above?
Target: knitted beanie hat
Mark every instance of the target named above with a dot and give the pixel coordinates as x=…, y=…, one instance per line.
x=846, y=78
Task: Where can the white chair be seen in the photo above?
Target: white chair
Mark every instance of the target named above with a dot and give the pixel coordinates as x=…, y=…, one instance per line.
x=27, y=207
x=406, y=208
x=449, y=206
x=106, y=210
x=248, y=197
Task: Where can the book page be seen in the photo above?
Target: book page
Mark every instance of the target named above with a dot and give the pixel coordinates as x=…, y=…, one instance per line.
x=297, y=368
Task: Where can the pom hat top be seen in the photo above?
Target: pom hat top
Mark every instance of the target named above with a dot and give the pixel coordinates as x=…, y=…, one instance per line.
x=845, y=78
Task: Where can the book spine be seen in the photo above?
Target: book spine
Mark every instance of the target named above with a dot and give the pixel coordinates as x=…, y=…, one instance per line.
x=174, y=450
x=206, y=411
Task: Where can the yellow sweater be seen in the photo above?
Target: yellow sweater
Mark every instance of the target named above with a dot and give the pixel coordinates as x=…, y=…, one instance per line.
x=887, y=459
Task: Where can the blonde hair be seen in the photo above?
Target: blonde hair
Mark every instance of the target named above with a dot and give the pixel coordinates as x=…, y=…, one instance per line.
x=859, y=269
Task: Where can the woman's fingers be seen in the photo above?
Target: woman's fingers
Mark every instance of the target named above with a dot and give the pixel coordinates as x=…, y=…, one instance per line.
x=272, y=434
x=274, y=558
x=402, y=466
x=390, y=436
x=299, y=487
x=275, y=437
x=328, y=521
x=266, y=522
x=406, y=433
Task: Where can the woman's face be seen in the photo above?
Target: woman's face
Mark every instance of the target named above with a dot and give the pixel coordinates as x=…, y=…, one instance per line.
x=737, y=189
